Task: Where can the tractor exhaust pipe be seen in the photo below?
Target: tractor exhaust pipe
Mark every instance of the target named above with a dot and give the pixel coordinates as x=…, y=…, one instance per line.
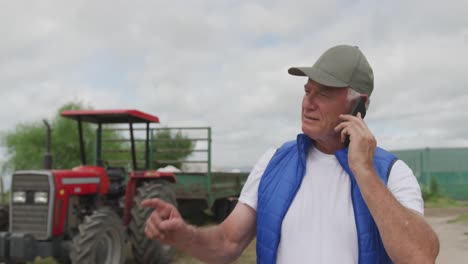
x=47, y=155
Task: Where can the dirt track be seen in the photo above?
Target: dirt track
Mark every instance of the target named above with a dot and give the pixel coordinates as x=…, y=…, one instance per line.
x=453, y=236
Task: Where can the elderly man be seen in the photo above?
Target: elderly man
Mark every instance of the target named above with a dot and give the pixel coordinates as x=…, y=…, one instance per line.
x=313, y=200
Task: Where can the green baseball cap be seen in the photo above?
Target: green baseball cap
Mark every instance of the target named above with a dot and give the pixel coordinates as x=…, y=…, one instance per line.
x=340, y=66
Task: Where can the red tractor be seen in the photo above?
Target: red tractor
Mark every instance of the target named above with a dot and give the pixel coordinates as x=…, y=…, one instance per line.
x=88, y=214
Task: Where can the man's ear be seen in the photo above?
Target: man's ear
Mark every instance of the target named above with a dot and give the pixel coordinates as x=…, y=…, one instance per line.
x=367, y=97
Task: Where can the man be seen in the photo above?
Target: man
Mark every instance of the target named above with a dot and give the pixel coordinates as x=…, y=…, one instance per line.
x=313, y=200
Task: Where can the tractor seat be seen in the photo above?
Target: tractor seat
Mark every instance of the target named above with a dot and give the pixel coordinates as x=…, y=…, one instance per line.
x=116, y=173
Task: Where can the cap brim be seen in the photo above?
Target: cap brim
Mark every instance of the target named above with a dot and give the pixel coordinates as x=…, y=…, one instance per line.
x=318, y=76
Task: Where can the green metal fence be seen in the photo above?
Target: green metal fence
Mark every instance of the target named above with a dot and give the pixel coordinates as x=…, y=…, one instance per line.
x=449, y=166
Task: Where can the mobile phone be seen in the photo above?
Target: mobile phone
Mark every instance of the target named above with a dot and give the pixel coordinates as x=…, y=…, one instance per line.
x=359, y=107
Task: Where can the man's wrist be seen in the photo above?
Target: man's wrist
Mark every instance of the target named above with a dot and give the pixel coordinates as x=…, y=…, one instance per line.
x=364, y=173
x=189, y=239
x=369, y=183
x=191, y=234
x=363, y=170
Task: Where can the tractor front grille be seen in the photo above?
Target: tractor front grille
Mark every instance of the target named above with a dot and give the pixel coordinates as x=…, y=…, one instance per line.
x=29, y=217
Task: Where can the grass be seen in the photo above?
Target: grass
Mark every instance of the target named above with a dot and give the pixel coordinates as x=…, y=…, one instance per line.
x=48, y=260
x=443, y=202
x=434, y=198
x=463, y=218
x=248, y=257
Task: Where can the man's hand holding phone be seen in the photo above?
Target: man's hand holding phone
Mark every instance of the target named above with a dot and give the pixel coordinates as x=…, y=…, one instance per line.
x=362, y=142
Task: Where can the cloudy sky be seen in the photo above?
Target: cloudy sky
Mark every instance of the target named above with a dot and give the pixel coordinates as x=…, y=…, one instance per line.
x=224, y=64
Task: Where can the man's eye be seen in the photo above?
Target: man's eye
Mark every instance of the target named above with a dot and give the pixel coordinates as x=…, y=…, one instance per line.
x=323, y=94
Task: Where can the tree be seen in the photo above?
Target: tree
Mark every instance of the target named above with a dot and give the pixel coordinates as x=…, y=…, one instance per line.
x=171, y=148
x=65, y=139
x=22, y=147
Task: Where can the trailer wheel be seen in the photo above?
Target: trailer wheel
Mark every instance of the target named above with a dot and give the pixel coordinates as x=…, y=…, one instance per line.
x=101, y=239
x=192, y=210
x=146, y=250
x=221, y=209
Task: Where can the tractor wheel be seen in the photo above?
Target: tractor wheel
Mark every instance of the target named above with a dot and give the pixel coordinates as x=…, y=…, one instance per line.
x=146, y=250
x=101, y=239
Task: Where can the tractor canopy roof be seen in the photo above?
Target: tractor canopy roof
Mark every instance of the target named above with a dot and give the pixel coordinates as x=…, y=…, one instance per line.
x=110, y=116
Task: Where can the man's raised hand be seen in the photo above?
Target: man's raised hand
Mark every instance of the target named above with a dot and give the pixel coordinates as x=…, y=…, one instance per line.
x=166, y=223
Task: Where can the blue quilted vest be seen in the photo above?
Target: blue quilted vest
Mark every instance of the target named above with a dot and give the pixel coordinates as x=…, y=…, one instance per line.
x=281, y=181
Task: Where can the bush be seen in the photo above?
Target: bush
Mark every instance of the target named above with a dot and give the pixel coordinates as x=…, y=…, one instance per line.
x=434, y=198
x=6, y=198
x=431, y=192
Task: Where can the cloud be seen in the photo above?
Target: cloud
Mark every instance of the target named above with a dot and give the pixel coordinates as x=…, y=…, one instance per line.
x=223, y=64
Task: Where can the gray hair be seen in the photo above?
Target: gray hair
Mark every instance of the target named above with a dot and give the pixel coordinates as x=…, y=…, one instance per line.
x=353, y=95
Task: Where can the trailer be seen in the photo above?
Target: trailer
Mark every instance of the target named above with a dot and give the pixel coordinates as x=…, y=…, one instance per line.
x=198, y=190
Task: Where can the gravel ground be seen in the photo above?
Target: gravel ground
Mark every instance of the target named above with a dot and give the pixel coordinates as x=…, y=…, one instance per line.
x=453, y=237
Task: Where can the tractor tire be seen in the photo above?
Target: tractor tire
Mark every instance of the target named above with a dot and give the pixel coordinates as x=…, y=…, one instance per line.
x=101, y=239
x=145, y=250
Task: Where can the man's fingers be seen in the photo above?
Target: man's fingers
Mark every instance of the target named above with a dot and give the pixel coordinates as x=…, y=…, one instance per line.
x=155, y=218
x=348, y=126
x=342, y=125
x=154, y=203
x=170, y=225
x=164, y=209
x=153, y=225
x=159, y=231
x=348, y=129
x=164, y=220
x=344, y=133
x=354, y=119
x=351, y=125
x=347, y=117
x=351, y=118
x=152, y=231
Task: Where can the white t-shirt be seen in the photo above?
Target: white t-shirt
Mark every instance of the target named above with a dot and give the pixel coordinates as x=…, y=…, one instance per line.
x=319, y=226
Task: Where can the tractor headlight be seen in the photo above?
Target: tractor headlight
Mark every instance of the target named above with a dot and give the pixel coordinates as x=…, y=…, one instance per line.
x=19, y=197
x=41, y=197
